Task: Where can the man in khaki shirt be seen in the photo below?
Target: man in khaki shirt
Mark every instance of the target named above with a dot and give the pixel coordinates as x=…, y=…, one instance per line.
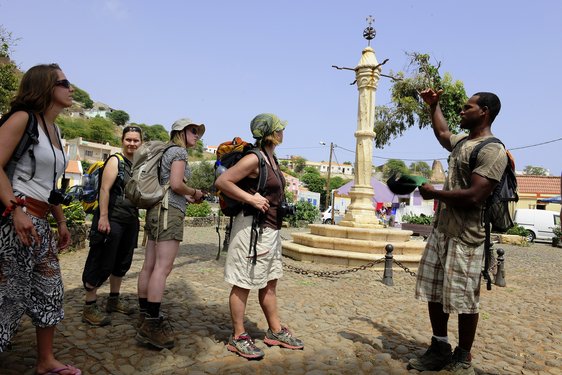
x=449, y=271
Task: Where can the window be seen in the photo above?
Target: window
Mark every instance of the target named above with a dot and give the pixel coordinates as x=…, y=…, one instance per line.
x=89, y=153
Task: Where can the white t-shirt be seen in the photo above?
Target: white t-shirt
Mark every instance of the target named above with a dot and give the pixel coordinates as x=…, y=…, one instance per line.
x=40, y=186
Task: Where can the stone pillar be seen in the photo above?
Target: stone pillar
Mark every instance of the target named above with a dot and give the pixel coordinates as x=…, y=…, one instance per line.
x=361, y=212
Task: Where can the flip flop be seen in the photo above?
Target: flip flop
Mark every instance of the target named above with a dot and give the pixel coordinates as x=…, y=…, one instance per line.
x=59, y=370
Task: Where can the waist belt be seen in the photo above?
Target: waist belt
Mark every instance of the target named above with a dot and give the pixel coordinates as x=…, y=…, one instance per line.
x=37, y=208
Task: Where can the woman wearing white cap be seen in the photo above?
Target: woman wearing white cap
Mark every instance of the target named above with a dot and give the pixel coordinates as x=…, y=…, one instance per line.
x=164, y=236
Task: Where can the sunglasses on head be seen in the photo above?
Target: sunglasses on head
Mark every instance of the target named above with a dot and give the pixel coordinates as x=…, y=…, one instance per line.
x=63, y=83
x=136, y=129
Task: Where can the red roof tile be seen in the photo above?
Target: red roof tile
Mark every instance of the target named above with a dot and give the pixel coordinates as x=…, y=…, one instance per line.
x=538, y=184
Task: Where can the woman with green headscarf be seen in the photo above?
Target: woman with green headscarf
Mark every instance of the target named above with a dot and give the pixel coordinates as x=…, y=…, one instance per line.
x=262, y=270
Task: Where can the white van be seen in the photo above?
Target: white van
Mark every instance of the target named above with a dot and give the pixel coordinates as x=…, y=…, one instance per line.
x=539, y=223
x=327, y=216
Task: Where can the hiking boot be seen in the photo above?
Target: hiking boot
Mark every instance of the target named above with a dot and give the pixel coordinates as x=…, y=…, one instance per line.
x=436, y=357
x=460, y=364
x=142, y=315
x=283, y=338
x=156, y=332
x=94, y=316
x=116, y=304
x=244, y=346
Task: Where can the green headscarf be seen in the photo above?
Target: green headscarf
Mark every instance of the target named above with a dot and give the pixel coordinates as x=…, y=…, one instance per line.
x=265, y=124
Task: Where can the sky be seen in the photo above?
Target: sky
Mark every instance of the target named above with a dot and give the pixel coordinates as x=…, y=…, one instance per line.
x=223, y=62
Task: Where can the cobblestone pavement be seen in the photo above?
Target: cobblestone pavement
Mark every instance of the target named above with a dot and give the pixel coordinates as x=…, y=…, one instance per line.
x=351, y=324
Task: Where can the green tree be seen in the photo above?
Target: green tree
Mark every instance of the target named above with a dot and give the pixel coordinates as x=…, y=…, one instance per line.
x=119, y=117
x=74, y=127
x=313, y=181
x=299, y=164
x=306, y=212
x=102, y=130
x=394, y=166
x=534, y=171
x=202, y=175
x=408, y=109
x=154, y=133
x=336, y=182
x=9, y=73
x=420, y=168
x=83, y=97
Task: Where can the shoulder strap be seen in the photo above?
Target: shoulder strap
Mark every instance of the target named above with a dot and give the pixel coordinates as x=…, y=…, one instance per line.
x=262, y=178
x=476, y=150
x=30, y=137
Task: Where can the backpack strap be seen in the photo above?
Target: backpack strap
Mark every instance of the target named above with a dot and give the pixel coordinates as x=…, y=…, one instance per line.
x=478, y=147
x=30, y=137
x=258, y=216
x=487, y=225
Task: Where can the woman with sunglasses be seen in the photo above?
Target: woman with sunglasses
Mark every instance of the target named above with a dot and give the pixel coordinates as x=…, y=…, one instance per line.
x=164, y=229
x=30, y=275
x=114, y=233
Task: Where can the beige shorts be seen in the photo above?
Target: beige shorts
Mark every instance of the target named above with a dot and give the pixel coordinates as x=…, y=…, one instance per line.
x=154, y=226
x=449, y=273
x=239, y=269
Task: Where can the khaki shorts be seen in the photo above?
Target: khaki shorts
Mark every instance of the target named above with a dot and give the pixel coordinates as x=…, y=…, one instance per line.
x=154, y=226
x=239, y=269
x=449, y=273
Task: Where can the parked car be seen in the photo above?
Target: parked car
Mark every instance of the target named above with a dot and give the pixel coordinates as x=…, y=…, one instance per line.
x=539, y=223
x=327, y=216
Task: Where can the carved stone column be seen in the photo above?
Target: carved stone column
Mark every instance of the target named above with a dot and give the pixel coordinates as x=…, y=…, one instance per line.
x=361, y=212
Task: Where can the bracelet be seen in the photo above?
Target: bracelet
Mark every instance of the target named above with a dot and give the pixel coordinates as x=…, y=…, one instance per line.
x=59, y=222
x=19, y=202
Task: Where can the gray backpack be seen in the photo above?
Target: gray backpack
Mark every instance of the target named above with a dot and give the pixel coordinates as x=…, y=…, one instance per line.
x=144, y=189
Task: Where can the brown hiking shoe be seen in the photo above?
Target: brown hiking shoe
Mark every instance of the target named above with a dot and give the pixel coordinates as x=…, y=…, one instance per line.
x=140, y=321
x=94, y=316
x=437, y=356
x=116, y=304
x=460, y=364
x=156, y=332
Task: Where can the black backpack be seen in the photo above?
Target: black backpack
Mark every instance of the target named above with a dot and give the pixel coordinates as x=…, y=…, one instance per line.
x=30, y=137
x=496, y=214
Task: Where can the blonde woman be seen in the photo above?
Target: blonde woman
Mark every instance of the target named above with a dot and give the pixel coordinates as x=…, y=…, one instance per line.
x=165, y=235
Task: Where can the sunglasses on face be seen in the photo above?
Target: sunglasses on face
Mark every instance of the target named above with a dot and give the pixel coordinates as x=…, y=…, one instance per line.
x=193, y=131
x=63, y=83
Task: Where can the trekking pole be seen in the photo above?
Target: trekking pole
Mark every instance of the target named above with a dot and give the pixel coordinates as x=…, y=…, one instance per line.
x=218, y=218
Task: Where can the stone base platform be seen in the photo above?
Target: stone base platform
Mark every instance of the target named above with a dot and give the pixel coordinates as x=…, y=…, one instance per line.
x=351, y=246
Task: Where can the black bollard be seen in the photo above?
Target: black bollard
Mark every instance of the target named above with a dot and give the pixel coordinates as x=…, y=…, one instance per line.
x=500, y=272
x=387, y=277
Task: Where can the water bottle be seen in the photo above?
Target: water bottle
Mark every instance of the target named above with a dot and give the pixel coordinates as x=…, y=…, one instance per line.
x=219, y=169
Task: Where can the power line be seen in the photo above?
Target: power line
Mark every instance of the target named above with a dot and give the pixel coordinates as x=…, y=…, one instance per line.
x=387, y=158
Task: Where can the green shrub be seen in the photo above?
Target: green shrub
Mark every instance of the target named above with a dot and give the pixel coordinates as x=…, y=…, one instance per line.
x=518, y=230
x=417, y=219
x=202, y=209
x=73, y=213
x=557, y=231
x=306, y=212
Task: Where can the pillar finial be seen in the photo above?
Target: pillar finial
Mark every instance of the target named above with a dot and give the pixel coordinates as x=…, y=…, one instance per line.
x=369, y=33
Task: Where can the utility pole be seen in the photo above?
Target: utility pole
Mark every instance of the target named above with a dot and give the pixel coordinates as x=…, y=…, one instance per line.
x=328, y=194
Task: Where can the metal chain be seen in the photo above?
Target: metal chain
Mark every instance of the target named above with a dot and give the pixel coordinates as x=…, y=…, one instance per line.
x=406, y=269
x=302, y=271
